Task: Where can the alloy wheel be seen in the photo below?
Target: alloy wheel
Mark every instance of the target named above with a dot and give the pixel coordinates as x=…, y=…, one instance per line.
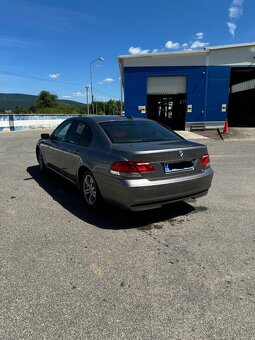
x=40, y=161
x=90, y=190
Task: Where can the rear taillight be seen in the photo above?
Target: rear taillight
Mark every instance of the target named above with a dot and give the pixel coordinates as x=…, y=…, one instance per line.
x=205, y=160
x=131, y=168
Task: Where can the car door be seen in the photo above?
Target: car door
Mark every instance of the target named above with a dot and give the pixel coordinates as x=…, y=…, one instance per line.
x=79, y=135
x=52, y=148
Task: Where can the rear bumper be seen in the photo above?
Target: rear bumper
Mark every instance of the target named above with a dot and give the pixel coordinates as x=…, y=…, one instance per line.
x=141, y=194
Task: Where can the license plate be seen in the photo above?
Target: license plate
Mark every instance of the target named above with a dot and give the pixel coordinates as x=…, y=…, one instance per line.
x=178, y=166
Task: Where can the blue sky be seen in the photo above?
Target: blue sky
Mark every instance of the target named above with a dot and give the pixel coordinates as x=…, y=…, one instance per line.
x=49, y=44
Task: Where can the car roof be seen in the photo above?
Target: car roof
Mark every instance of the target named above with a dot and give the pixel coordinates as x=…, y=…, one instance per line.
x=112, y=118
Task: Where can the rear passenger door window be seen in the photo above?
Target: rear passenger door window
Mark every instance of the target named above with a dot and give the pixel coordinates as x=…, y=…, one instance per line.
x=80, y=134
x=86, y=136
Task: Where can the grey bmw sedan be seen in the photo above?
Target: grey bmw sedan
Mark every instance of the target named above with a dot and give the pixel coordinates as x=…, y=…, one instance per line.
x=135, y=163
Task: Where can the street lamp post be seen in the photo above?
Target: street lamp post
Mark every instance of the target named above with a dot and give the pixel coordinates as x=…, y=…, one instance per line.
x=87, y=97
x=91, y=84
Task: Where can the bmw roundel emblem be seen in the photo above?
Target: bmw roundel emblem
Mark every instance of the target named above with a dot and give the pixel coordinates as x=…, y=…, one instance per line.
x=181, y=154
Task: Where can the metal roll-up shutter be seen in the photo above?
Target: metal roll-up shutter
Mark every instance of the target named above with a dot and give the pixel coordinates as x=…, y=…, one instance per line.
x=166, y=85
x=244, y=86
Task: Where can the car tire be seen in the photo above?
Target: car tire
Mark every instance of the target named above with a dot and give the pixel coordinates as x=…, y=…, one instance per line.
x=90, y=191
x=42, y=165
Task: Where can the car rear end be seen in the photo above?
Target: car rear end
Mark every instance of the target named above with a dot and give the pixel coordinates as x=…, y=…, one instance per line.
x=150, y=174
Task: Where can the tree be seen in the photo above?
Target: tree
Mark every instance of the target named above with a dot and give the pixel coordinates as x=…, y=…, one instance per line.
x=2, y=111
x=46, y=99
x=19, y=110
x=113, y=107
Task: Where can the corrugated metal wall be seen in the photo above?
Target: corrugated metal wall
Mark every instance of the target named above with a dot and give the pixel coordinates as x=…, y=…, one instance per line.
x=244, y=86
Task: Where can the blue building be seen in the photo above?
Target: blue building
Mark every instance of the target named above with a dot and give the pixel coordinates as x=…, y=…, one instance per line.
x=192, y=89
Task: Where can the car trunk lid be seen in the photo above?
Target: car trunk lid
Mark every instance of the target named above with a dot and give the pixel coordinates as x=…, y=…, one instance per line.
x=175, y=158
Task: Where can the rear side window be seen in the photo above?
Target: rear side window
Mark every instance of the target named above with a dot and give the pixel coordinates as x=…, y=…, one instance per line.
x=86, y=136
x=80, y=133
x=137, y=132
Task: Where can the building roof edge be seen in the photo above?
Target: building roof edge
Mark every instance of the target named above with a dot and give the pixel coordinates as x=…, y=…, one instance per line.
x=193, y=52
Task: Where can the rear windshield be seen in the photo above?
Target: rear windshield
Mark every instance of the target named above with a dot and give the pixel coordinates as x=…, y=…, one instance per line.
x=137, y=132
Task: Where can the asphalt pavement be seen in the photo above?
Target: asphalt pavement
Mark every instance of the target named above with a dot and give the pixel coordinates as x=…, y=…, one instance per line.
x=182, y=272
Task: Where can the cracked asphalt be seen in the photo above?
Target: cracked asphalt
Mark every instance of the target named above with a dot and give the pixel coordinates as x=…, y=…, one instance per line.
x=186, y=271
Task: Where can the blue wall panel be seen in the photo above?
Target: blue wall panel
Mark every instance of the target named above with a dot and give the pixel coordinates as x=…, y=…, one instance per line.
x=217, y=92
x=135, y=87
x=135, y=92
x=205, y=106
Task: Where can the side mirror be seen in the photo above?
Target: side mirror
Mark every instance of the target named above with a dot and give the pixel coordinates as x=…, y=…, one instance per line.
x=45, y=136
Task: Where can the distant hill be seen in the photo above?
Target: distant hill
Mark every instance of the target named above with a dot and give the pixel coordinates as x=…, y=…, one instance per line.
x=8, y=101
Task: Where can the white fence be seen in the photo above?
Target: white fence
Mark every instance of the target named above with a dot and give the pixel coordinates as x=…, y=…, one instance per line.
x=26, y=122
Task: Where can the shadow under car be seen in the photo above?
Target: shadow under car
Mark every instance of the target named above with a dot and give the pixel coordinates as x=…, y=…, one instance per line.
x=108, y=216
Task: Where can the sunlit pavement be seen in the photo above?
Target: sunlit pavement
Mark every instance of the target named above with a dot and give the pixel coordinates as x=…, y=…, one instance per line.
x=182, y=272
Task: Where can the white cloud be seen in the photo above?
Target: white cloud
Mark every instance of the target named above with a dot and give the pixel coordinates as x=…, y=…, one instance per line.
x=144, y=51
x=199, y=35
x=78, y=94
x=108, y=80
x=185, y=45
x=155, y=50
x=54, y=75
x=232, y=28
x=172, y=45
x=238, y=2
x=66, y=97
x=137, y=50
x=198, y=44
x=235, y=12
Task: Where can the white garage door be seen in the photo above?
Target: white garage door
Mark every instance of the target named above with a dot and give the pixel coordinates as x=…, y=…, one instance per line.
x=166, y=85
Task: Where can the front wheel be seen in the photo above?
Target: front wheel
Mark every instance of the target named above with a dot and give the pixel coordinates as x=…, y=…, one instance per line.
x=41, y=161
x=90, y=190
